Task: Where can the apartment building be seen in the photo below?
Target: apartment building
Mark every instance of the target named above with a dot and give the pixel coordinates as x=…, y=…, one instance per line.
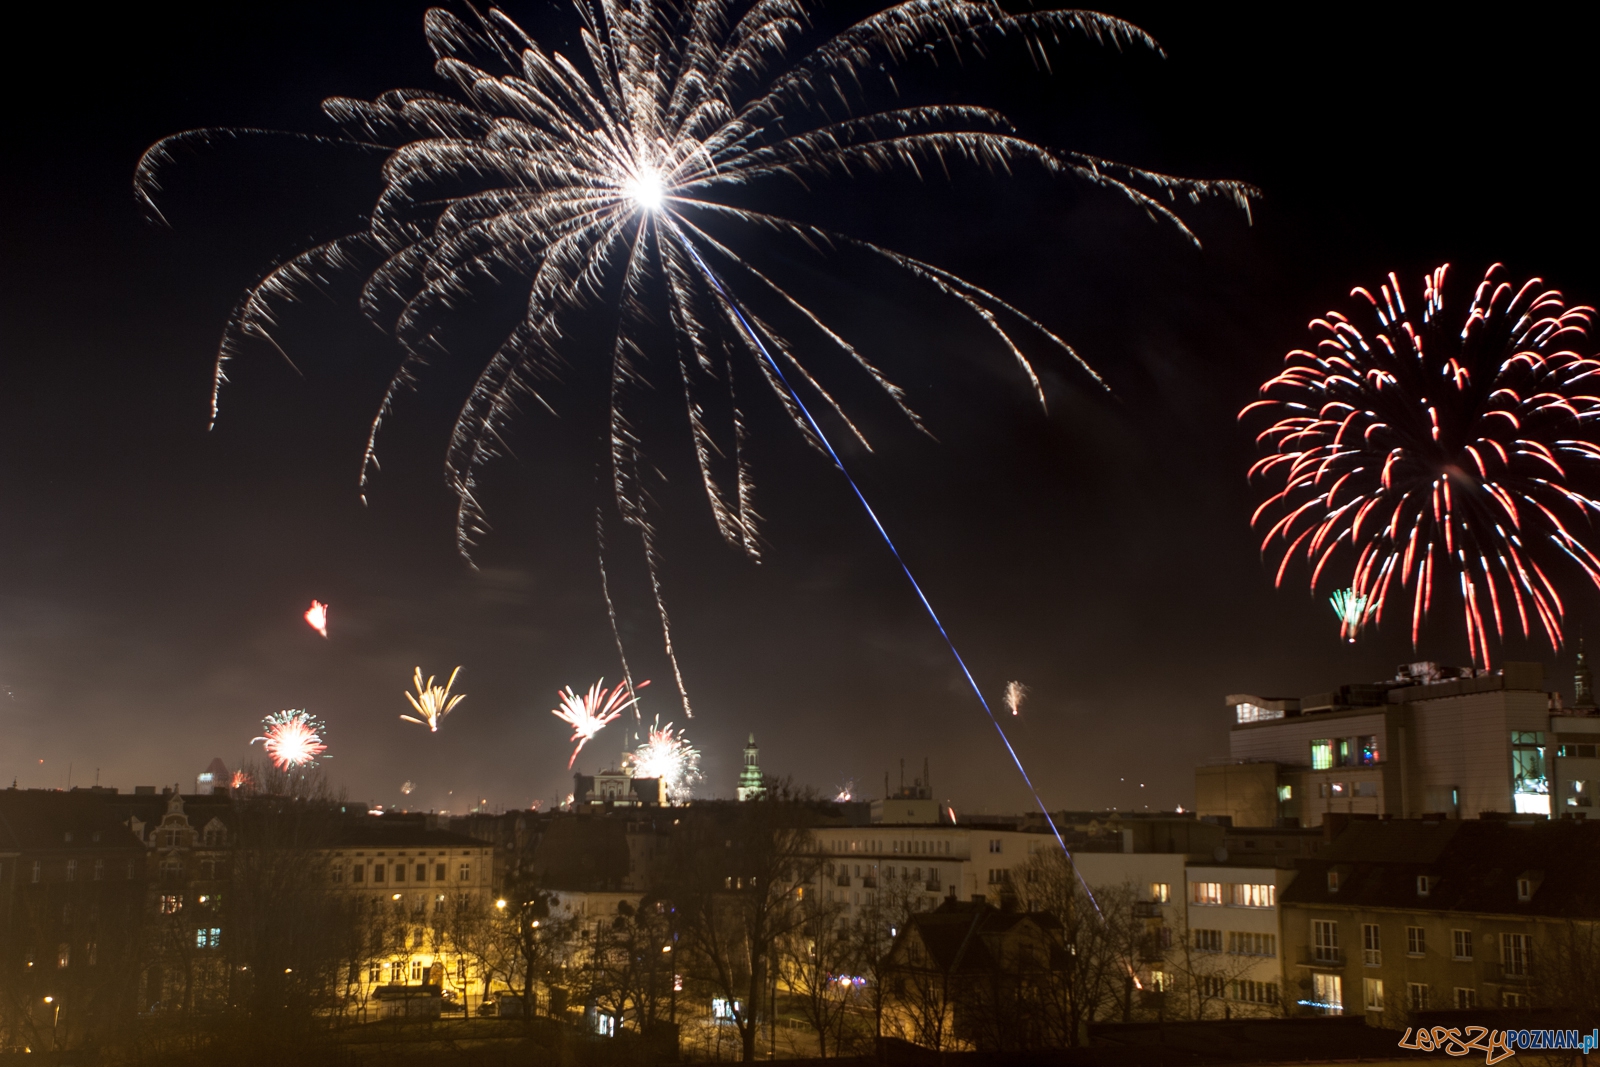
x=1399, y=916
x=1230, y=939
x=1441, y=740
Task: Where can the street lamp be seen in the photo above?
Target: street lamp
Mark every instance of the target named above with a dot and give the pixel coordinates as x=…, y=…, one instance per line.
x=501, y=904
x=55, y=1018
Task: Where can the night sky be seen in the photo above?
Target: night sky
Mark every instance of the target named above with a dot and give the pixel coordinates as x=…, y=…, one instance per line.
x=152, y=574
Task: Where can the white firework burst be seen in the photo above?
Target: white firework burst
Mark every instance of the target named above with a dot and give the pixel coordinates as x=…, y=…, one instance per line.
x=615, y=183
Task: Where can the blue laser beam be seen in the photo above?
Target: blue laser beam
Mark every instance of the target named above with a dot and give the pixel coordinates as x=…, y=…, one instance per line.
x=916, y=586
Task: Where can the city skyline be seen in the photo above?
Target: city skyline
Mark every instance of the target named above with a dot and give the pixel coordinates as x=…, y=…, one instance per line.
x=152, y=576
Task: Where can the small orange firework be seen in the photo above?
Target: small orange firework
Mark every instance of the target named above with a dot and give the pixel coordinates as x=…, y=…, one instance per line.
x=1016, y=692
x=317, y=616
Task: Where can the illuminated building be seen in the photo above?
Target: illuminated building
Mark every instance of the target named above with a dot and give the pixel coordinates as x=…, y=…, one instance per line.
x=1430, y=740
x=752, y=786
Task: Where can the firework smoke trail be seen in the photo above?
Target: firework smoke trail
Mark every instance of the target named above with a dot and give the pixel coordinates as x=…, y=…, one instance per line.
x=589, y=714
x=1433, y=449
x=906, y=569
x=1016, y=692
x=592, y=188
x=432, y=702
x=291, y=739
x=669, y=756
x=1351, y=607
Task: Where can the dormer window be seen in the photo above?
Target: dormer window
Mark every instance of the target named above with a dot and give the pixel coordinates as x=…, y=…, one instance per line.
x=1424, y=884
x=69, y=837
x=1333, y=881
x=1524, y=889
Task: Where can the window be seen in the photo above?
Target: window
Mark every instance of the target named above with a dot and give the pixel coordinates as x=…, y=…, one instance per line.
x=1366, y=789
x=378, y=871
x=724, y=1010
x=1530, y=785
x=400, y=872
x=438, y=872
x=999, y=876
x=1424, y=885
x=1255, y=713
x=1208, y=940
x=1325, y=941
x=1514, y=955
x=1367, y=753
x=1580, y=794
x=1159, y=981
x=1161, y=892
x=1416, y=941
x=92, y=957
x=465, y=873
x=1252, y=992
x=208, y=937
x=1466, y=998
x=1576, y=751
x=37, y=868
x=63, y=955
x=416, y=970
x=438, y=904
x=336, y=873
x=1251, y=895
x=995, y=844
x=1461, y=944
x=461, y=972
x=171, y=904
x=358, y=873
x=1206, y=892
x=1327, y=993
x=1371, y=945
x=99, y=870
x=1247, y=944
x=1417, y=995
x=1373, y=988
x=1524, y=888
x=1333, y=881
x=1285, y=792
x=374, y=973
x=1321, y=755
x=1513, y=1000
x=1211, y=985
x=419, y=906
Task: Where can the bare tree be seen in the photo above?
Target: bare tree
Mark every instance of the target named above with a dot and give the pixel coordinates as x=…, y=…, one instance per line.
x=736, y=878
x=820, y=969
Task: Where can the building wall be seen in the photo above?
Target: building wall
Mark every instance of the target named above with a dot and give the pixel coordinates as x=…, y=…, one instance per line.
x=1446, y=980
x=1246, y=955
x=1464, y=743
x=1247, y=793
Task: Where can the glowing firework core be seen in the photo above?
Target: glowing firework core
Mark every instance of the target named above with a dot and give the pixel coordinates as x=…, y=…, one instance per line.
x=317, y=617
x=1351, y=607
x=668, y=756
x=646, y=189
x=292, y=739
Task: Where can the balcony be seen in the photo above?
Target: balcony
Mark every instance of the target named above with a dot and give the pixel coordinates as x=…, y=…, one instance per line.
x=934, y=887
x=869, y=882
x=1371, y=957
x=1515, y=971
x=843, y=879
x=1146, y=909
x=1328, y=959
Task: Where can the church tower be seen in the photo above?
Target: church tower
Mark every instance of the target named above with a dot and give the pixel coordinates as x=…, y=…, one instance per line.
x=752, y=786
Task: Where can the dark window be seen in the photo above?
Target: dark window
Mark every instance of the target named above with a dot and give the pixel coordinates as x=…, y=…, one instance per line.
x=358, y=873
x=438, y=872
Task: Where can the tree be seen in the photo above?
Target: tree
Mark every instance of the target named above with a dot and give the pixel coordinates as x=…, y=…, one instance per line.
x=820, y=967
x=878, y=921
x=736, y=877
x=632, y=963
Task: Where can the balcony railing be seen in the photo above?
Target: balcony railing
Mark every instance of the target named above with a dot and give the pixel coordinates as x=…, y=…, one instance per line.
x=934, y=887
x=1372, y=957
x=869, y=882
x=1321, y=957
x=1515, y=971
x=843, y=879
x=1146, y=909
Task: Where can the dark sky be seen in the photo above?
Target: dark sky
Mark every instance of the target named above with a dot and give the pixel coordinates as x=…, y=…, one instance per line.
x=152, y=574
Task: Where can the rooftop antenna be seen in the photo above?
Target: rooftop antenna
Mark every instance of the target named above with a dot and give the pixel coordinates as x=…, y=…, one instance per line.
x=927, y=782
x=902, y=774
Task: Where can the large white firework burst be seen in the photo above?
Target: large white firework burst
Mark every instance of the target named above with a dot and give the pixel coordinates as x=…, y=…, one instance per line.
x=667, y=754
x=613, y=182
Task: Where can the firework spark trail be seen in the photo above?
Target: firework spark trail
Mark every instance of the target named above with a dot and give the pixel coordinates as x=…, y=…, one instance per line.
x=585, y=186
x=1016, y=693
x=292, y=738
x=432, y=702
x=590, y=713
x=1351, y=607
x=927, y=605
x=1429, y=449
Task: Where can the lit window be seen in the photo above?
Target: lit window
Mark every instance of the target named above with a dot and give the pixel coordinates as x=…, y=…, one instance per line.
x=1247, y=712
x=1253, y=895
x=1206, y=892
x=1580, y=794
x=1286, y=792
x=171, y=904
x=1530, y=784
x=1327, y=994
x=1321, y=754
x=465, y=873
x=1158, y=981
x=1161, y=892
x=416, y=970
x=1374, y=993
x=208, y=937
x=724, y=1010
x=1461, y=944
x=1368, y=754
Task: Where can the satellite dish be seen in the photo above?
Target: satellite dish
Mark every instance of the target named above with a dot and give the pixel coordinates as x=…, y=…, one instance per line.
x=1220, y=854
